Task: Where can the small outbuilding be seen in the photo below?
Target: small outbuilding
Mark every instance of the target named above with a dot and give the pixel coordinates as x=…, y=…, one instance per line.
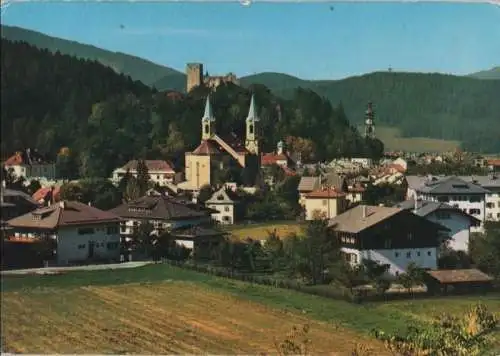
x=457, y=281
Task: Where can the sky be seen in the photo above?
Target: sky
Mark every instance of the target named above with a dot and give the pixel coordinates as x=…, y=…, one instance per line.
x=308, y=40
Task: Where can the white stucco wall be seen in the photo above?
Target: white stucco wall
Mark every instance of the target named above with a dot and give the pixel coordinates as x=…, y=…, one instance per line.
x=460, y=229
x=493, y=206
x=72, y=246
x=398, y=259
x=225, y=213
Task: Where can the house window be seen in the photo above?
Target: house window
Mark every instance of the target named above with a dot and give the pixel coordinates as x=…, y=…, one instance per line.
x=81, y=247
x=410, y=236
x=474, y=211
x=418, y=253
x=490, y=205
x=325, y=202
x=207, y=129
x=396, y=254
x=111, y=230
x=226, y=208
x=85, y=231
x=443, y=199
x=408, y=255
x=475, y=199
x=112, y=245
x=429, y=253
x=250, y=129
x=388, y=243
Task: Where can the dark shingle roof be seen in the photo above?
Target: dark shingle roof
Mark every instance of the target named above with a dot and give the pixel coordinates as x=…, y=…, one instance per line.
x=451, y=185
x=160, y=207
x=425, y=208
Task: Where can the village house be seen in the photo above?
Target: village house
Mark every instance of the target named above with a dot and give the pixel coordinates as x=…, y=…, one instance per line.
x=47, y=195
x=81, y=232
x=457, y=222
x=325, y=203
x=468, y=197
x=490, y=182
x=226, y=205
x=15, y=203
x=30, y=165
x=280, y=158
x=354, y=192
x=202, y=163
x=387, y=235
x=164, y=213
x=160, y=172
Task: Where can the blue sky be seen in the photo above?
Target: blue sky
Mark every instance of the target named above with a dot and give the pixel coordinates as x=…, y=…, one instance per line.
x=306, y=40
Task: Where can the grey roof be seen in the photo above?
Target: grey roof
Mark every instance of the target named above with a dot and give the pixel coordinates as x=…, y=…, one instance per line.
x=252, y=111
x=208, y=115
x=491, y=181
x=444, y=185
x=425, y=208
x=13, y=193
x=353, y=221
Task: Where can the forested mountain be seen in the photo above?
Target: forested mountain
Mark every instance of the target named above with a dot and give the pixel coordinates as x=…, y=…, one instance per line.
x=137, y=68
x=420, y=105
x=50, y=101
x=493, y=73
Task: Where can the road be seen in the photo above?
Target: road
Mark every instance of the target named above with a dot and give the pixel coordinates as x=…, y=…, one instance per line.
x=53, y=270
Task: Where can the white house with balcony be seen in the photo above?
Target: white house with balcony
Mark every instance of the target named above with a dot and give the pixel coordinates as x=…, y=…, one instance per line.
x=160, y=172
x=490, y=182
x=389, y=236
x=80, y=232
x=458, y=222
x=466, y=196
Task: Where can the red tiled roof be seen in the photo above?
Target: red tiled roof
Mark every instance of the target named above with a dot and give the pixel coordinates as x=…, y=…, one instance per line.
x=494, y=162
x=65, y=213
x=153, y=165
x=324, y=193
x=268, y=159
x=14, y=160
x=206, y=147
x=42, y=193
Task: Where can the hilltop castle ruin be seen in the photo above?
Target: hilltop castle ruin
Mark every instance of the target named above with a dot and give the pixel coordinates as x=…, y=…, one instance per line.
x=195, y=77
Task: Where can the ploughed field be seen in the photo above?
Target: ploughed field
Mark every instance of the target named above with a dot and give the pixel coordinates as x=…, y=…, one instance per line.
x=159, y=309
x=155, y=318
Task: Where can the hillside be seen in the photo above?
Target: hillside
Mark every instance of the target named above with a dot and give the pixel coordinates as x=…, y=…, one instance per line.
x=51, y=101
x=493, y=73
x=419, y=105
x=137, y=68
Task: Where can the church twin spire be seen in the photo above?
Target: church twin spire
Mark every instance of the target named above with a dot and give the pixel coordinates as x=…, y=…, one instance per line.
x=252, y=134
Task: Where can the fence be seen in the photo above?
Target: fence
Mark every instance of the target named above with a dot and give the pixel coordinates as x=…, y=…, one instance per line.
x=326, y=291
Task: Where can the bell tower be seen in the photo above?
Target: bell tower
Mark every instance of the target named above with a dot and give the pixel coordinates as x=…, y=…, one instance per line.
x=207, y=122
x=252, y=129
x=369, y=121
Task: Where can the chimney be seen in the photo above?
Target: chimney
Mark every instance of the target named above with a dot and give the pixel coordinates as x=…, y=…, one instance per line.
x=365, y=211
x=61, y=204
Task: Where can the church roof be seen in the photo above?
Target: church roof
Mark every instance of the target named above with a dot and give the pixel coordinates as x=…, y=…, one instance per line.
x=252, y=111
x=208, y=115
x=206, y=147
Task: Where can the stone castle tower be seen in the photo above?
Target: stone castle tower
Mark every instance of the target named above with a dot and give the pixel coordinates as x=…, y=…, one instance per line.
x=194, y=73
x=252, y=129
x=369, y=121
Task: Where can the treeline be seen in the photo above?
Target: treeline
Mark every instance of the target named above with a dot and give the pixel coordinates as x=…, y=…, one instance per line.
x=50, y=101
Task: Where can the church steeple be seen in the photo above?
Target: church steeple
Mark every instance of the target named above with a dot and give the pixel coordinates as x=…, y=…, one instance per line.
x=252, y=128
x=208, y=121
x=369, y=122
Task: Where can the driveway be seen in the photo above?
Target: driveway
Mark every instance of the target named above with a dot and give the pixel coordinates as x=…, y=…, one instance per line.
x=53, y=270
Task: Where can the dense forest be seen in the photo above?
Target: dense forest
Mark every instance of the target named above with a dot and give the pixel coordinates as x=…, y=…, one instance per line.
x=439, y=106
x=51, y=101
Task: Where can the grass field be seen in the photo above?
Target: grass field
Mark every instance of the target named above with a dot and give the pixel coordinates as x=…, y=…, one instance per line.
x=393, y=141
x=261, y=231
x=163, y=309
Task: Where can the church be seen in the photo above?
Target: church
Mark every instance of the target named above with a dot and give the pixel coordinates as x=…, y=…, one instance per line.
x=201, y=163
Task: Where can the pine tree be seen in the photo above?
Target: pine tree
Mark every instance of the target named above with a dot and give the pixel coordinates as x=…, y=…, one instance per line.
x=142, y=177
